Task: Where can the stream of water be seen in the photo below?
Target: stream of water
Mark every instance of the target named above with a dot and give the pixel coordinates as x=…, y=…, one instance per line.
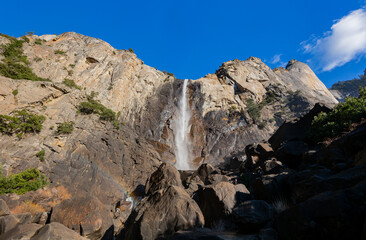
x=181, y=128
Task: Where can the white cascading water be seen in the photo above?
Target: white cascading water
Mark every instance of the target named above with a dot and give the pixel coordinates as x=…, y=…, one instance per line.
x=181, y=130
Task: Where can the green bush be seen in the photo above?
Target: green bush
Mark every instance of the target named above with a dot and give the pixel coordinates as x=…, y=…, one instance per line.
x=93, y=106
x=70, y=83
x=253, y=110
x=37, y=59
x=59, y=52
x=15, y=92
x=25, y=39
x=38, y=41
x=65, y=127
x=21, y=122
x=339, y=120
x=41, y=154
x=29, y=180
x=15, y=63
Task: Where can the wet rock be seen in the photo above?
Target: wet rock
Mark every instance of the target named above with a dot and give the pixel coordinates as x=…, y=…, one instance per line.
x=57, y=231
x=24, y=232
x=87, y=216
x=162, y=213
x=253, y=215
x=4, y=210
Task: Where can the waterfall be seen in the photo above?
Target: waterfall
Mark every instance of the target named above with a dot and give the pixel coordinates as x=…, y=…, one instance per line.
x=181, y=130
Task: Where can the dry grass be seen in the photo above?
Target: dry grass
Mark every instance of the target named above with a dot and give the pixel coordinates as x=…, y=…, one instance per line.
x=27, y=206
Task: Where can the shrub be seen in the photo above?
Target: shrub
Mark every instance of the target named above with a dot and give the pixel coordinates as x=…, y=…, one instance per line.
x=70, y=83
x=28, y=207
x=41, y=154
x=65, y=127
x=131, y=50
x=38, y=41
x=15, y=63
x=59, y=52
x=93, y=106
x=253, y=110
x=339, y=120
x=29, y=180
x=37, y=59
x=21, y=122
x=15, y=92
x=25, y=39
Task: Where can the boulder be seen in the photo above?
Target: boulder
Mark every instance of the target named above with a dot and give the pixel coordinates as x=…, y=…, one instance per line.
x=217, y=201
x=161, y=214
x=24, y=232
x=257, y=154
x=273, y=166
x=296, y=129
x=4, y=210
x=310, y=182
x=253, y=215
x=85, y=215
x=7, y=222
x=291, y=153
x=57, y=231
x=166, y=175
x=40, y=218
x=329, y=215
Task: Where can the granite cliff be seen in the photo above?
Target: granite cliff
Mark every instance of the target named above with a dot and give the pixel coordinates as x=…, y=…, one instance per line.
x=105, y=162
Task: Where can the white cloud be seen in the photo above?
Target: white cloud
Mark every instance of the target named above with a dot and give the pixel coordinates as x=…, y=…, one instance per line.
x=345, y=42
x=277, y=60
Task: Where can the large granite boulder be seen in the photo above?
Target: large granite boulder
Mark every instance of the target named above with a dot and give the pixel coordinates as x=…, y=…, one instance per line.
x=57, y=231
x=4, y=210
x=296, y=129
x=329, y=215
x=24, y=232
x=166, y=209
x=217, y=201
x=86, y=216
x=253, y=215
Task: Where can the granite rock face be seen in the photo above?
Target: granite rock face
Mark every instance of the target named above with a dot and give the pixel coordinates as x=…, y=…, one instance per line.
x=242, y=103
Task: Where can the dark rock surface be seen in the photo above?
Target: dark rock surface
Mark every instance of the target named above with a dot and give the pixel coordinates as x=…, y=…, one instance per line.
x=166, y=208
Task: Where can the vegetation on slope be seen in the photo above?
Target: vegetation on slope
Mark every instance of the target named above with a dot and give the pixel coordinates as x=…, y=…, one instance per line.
x=15, y=64
x=29, y=180
x=21, y=122
x=65, y=127
x=94, y=106
x=350, y=85
x=340, y=119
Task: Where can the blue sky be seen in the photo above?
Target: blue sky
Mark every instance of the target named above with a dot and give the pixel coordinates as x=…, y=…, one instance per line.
x=193, y=38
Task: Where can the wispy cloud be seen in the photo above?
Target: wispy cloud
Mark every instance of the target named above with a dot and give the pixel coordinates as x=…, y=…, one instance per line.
x=345, y=42
x=276, y=60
